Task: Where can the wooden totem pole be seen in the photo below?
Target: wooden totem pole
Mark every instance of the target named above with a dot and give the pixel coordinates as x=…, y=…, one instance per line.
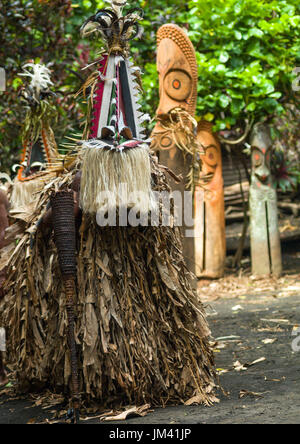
x=210, y=240
x=183, y=148
x=174, y=138
x=264, y=232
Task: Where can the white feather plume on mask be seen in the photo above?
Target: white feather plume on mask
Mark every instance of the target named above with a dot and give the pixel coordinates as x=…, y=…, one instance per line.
x=117, y=6
x=40, y=77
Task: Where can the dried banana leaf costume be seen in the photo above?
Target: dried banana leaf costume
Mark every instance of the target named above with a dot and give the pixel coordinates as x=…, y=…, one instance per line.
x=38, y=159
x=139, y=330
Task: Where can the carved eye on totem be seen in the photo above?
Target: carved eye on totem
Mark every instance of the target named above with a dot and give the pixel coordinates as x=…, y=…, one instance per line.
x=166, y=142
x=178, y=85
x=268, y=156
x=257, y=157
x=211, y=155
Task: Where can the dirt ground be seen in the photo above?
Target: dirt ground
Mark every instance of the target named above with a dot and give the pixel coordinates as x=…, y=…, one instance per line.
x=254, y=334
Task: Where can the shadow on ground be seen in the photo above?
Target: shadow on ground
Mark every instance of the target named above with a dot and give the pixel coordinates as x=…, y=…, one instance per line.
x=245, y=329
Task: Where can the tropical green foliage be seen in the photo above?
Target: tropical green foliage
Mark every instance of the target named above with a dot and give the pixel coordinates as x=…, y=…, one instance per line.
x=246, y=52
x=32, y=30
x=286, y=161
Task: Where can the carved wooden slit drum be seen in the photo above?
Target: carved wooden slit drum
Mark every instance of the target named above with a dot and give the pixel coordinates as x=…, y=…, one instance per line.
x=264, y=230
x=210, y=242
x=185, y=149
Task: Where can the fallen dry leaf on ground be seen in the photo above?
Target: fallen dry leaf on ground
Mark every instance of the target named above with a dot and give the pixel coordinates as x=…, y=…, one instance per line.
x=244, y=393
x=269, y=341
x=257, y=361
x=238, y=366
x=242, y=286
x=88, y=418
x=129, y=413
x=221, y=371
x=217, y=346
x=199, y=399
x=278, y=321
x=237, y=307
x=288, y=227
x=228, y=338
x=275, y=380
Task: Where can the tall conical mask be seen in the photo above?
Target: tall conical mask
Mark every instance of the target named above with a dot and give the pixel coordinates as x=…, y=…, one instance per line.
x=115, y=151
x=39, y=155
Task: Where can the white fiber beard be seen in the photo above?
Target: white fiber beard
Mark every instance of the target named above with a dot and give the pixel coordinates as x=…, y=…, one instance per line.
x=105, y=171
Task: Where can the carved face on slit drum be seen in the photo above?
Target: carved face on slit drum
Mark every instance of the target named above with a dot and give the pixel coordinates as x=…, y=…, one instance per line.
x=177, y=70
x=264, y=229
x=211, y=160
x=261, y=151
x=210, y=244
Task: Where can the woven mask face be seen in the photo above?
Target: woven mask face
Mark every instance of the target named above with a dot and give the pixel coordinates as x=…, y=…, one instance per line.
x=177, y=70
x=116, y=115
x=116, y=112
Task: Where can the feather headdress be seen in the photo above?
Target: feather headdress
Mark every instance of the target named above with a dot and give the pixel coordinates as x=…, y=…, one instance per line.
x=40, y=79
x=115, y=29
x=39, y=155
